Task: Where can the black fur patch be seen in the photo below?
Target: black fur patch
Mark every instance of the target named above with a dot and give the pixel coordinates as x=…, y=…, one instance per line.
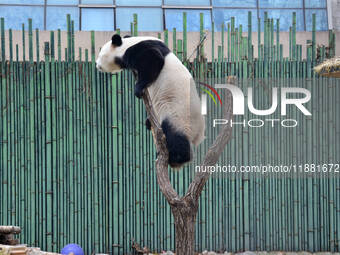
x=178, y=145
x=147, y=58
x=119, y=61
x=148, y=124
x=116, y=40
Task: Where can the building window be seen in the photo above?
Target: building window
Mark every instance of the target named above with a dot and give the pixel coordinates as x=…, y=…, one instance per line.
x=187, y=2
x=241, y=17
x=108, y=2
x=286, y=17
x=139, y=3
x=99, y=19
x=157, y=15
x=16, y=16
x=174, y=19
x=56, y=17
x=149, y=19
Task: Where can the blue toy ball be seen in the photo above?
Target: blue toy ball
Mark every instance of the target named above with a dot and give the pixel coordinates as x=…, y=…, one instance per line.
x=72, y=248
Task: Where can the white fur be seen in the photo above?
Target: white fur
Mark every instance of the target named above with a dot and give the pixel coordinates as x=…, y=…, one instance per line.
x=173, y=94
x=107, y=54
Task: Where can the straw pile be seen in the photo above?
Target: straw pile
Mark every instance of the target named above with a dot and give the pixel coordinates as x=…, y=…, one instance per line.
x=329, y=68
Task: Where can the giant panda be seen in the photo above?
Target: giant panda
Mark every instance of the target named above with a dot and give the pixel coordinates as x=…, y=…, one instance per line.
x=170, y=85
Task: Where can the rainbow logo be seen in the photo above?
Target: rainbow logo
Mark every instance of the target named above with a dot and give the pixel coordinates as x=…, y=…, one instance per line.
x=210, y=94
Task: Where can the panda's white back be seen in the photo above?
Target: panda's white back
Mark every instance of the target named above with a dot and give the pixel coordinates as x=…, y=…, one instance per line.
x=174, y=96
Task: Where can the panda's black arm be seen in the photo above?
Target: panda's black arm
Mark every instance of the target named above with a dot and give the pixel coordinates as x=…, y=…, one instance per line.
x=148, y=64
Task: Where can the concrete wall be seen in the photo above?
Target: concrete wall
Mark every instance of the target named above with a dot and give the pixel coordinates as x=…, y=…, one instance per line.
x=334, y=13
x=83, y=40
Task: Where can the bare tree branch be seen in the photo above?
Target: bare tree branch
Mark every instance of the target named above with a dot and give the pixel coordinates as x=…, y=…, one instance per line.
x=162, y=155
x=210, y=159
x=185, y=209
x=215, y=150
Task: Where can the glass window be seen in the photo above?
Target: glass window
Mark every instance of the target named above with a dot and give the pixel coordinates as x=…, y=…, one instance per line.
x=16, y=15
x=315, y=3
x=321, y=20
x=149, y=19
x=63, y=2
x=22, y=2
x=285, y=17
x=233, y=3
x=187, y=2
x=281, y=3
x=99, y=19
x=97, y=2
x=56, y=17
x=241, y=17
x=174, y=19
x=139, y=3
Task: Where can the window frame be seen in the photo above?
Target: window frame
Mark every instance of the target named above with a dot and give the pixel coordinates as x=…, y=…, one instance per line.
x=165, y=7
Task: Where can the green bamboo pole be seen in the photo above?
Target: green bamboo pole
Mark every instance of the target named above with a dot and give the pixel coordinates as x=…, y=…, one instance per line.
x=166, y=37
x=201, y=35
x=294, y=36
x=212, y=41
x=222, y=40
x=59, y=45
x=272, y=39
x=259, y=38
x=290, y=43
x=277, y=39
x=23, y=43
x=313, y=37
x=250, y=42
x=31, y=147
x=72, y=42
x=52, y=45
x=135, y=25
x=69, y=38
x=232, y=46
x=3, y=126
x=185, y=37
x=3, y=40
x=229, y=42
x=180, y=49
x=174, y=41
x=10, y=35
x=266, y=39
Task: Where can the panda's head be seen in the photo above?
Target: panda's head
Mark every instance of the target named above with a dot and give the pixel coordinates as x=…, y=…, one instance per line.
x=109, y=54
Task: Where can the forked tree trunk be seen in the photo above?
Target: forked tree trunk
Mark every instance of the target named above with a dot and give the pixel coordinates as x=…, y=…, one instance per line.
x=184, y=209
x=185, y=219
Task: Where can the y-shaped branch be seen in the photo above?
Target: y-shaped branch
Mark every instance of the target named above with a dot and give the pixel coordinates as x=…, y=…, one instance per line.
x=214, y=152
x=162, y=155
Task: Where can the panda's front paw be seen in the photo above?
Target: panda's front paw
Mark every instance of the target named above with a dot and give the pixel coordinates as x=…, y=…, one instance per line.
x=138, y=92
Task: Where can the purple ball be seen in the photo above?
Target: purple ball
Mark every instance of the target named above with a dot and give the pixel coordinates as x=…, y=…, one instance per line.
x=72, y=248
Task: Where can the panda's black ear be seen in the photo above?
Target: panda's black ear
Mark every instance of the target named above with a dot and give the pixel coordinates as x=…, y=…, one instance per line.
x=116, y=40
x=127, y=36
